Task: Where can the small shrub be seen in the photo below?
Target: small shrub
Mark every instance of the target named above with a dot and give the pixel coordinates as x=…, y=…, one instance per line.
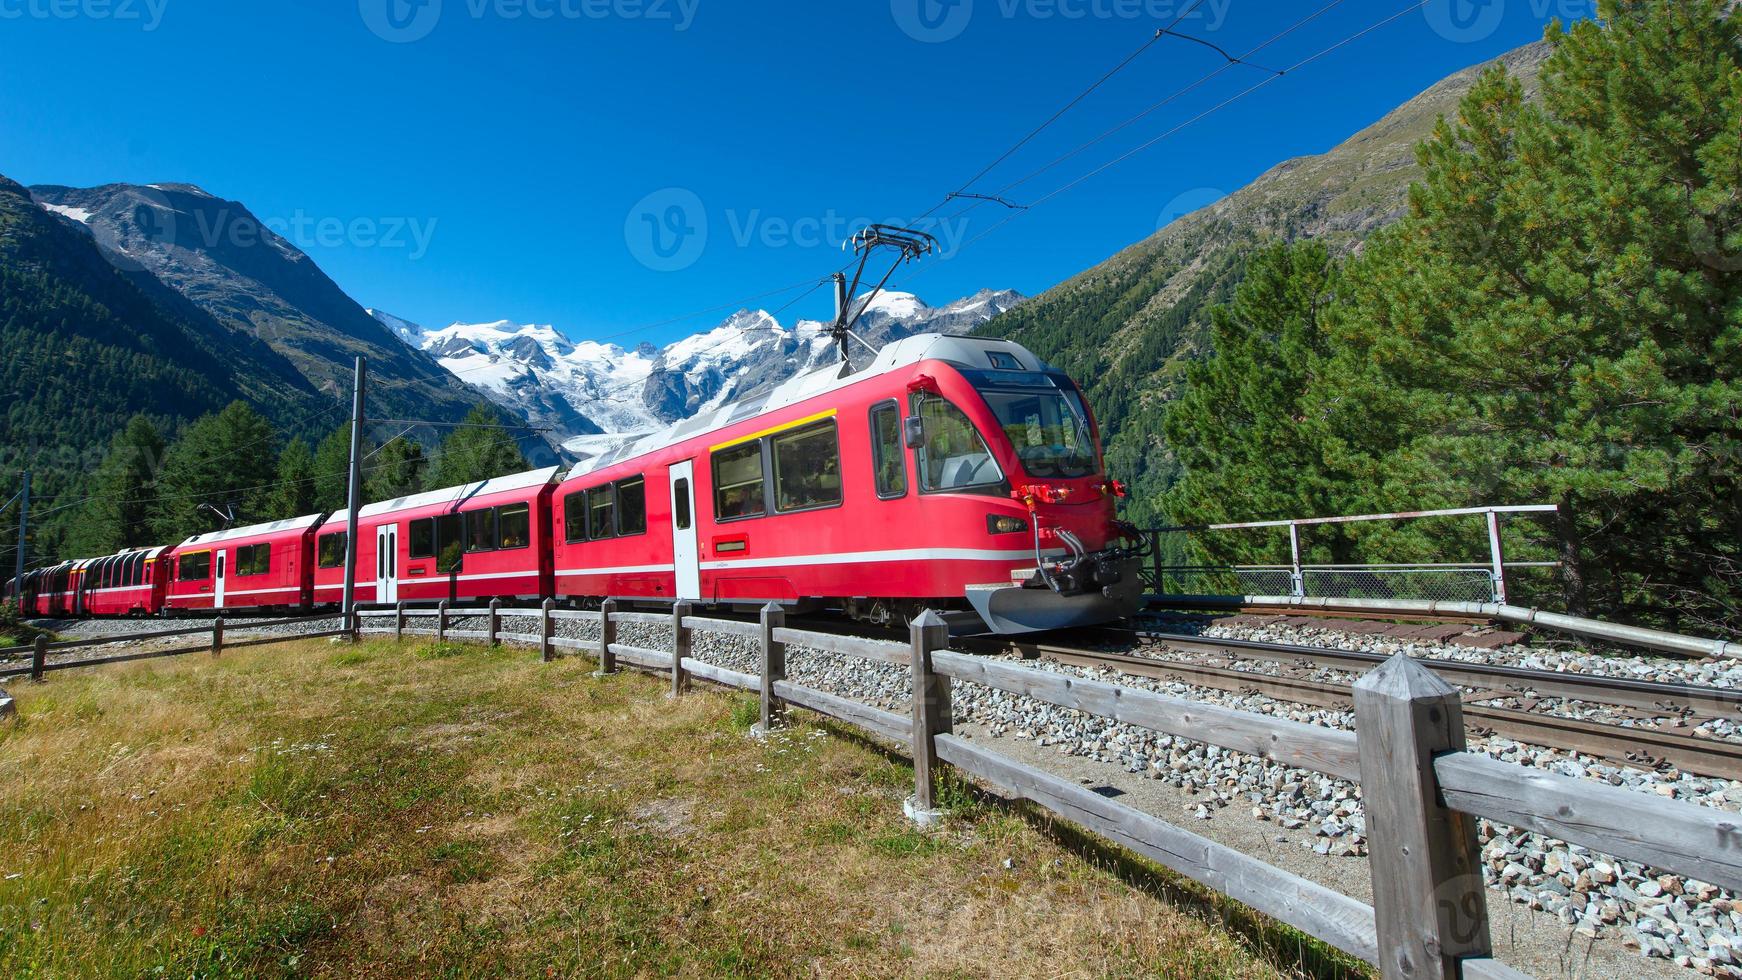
x=746, y=712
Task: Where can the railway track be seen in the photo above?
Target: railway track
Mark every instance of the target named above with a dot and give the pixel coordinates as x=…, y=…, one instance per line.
x=1647, y=747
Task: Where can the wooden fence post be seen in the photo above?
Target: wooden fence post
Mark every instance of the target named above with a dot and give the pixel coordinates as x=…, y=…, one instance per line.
x=495, y=619
x=399, y=622
x=442, y=621
x=932, y=715
x=607, y=636
x=218, y=636
x=39, y=659
x=546, y=630
x=773, y=667
x=1427, y=871
x=682, y=642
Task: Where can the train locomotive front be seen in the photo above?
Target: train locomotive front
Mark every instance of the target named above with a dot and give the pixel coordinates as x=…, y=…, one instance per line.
x=998, y=420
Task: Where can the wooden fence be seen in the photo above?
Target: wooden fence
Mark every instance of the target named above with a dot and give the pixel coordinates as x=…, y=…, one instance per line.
x=215, y=644
x=1422, y=791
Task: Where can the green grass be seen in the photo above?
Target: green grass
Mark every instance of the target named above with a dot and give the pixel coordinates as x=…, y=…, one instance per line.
x=450, y=810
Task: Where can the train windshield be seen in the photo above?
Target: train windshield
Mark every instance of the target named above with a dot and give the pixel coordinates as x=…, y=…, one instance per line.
x=1044, y=419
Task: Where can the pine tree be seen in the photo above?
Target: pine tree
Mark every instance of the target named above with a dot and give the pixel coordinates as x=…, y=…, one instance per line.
x=478, y=450
x=1244, y=438
x=1556, y=319
x=398, y=469
x=223, y=463
x=332, y=470
x=295, y=493
x=119, y=513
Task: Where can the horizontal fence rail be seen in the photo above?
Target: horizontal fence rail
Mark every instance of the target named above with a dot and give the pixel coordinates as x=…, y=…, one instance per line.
x=1423, y=791
x=215, y=644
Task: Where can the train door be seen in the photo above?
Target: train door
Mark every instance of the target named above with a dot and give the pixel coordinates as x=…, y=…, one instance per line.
x=387, y=563
x=218, y=581
x=685, y=550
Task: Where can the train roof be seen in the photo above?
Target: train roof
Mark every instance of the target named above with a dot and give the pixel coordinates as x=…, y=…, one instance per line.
x=968, y=352
x=274, y=527
x=483, y=488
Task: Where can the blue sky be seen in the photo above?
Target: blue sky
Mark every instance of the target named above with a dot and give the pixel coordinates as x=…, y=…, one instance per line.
x=608, y=165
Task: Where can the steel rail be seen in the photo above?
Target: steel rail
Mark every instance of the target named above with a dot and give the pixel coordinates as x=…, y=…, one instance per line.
x=1635, y=746
x=1628, y=692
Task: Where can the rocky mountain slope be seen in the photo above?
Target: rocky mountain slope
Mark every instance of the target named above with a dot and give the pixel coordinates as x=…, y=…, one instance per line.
x=1127, y=327
x=84, y=345
x=589, y=388
x=231, y=265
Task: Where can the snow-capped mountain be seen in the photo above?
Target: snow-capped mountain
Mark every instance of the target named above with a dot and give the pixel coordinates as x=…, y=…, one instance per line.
x=589, y=388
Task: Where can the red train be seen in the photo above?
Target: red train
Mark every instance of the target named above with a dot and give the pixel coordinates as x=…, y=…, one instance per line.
x=954, y=472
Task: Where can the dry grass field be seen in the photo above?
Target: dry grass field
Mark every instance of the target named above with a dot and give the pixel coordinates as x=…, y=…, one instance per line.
x=334, y=811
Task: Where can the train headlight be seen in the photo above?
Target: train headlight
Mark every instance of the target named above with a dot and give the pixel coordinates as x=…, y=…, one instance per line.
x=1002, y=524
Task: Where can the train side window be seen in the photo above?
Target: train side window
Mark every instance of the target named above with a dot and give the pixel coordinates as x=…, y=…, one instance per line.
x=889, y=458
x=575, y=516
x=602, y=505
x=136, y=570
x=195, y=568
x=632, y=506
x=738, y=482
x=680, y=493
x=807, y=468
x=513, y=526
x=481, y=530
x=954, y=456
x=420, y=538
x=253, y=559
x=450, y=543
x=330, y=550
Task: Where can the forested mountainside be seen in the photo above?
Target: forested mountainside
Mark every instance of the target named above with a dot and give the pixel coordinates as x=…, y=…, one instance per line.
x=225, y=260
x=84, y=345
x=1128, y=327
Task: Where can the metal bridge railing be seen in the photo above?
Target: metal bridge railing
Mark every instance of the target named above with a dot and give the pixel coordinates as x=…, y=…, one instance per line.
x=1426, y=581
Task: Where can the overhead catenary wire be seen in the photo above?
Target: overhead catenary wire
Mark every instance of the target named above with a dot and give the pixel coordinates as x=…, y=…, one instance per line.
x=1068, y=106
x=1169, y=100
x=1284, y=73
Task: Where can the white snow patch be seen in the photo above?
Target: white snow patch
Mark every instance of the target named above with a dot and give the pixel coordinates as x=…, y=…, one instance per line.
x=81, y=215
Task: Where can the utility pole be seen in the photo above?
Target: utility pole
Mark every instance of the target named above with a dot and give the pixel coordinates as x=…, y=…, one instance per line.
x=354, y=496
x=23, y=532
